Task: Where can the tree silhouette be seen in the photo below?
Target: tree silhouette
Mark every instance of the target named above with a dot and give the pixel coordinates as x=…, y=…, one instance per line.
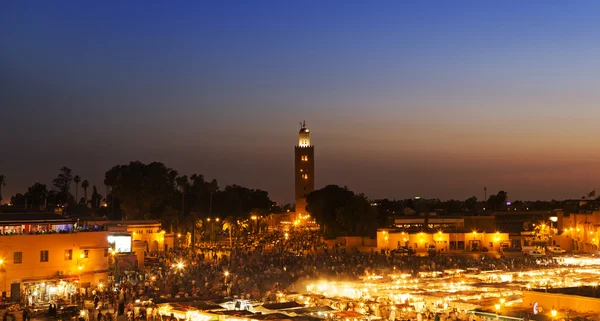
x=85, y=184
x=2, y=183
x=340, y=212
x=76, y=180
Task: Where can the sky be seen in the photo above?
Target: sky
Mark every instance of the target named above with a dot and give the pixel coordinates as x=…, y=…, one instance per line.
x=403, y=98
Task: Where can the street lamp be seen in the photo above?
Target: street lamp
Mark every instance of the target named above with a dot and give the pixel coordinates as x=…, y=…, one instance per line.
x=255, y=218
x=497, y=310
x=553, y=313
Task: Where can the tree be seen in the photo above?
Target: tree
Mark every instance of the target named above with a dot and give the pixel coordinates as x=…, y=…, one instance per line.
x=234, y=226
x=77, y=179
x=85, y=184
x=183, y=184
x=2, y=183
x=18, y=200
x=62, y=183
x=144, y=190
x=469, y=205
x=213, y=187
x=170, y=218
x=193, y=224
x=238, y=201
x=36, y=195
x=341, y=212
x=96, y=198
x=498, y=201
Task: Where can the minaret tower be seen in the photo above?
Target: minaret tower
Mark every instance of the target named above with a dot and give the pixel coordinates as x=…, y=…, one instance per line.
x=304, y=169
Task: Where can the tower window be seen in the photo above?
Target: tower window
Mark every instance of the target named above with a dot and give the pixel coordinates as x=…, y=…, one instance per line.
x=304, y=158
x=305, y=176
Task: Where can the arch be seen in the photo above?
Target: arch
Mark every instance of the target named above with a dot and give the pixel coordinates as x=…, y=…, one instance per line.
x=154, y=246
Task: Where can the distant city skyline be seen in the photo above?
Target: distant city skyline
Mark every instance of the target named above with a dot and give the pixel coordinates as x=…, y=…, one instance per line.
x=403, y=99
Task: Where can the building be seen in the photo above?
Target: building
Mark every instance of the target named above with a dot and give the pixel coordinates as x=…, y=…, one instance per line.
x=444, y=240
x=45, y=256
x=433, y=222
x=304, y=170
x=147, y=232
x=577, y=232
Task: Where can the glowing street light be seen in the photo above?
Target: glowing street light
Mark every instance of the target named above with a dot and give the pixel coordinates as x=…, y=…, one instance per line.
x=553, y=313
x=180, y=265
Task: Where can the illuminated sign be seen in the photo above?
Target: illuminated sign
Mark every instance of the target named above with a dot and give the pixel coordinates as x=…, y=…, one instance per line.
x=535, y=308
x=121, y=243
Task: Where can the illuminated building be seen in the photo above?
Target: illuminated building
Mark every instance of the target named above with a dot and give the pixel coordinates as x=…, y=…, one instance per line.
x=146, y=236
x=304, y=170
x=147, y=232
x=444, y=240
x=46, y=256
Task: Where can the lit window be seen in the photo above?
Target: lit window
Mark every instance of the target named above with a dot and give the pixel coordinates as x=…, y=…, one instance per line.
x=44, y=256
x=18, y=257
x=86, y=254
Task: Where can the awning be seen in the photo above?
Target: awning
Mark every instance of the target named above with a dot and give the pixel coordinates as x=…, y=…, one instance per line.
x=493, y=315
x=95, y=247
x=52, y=279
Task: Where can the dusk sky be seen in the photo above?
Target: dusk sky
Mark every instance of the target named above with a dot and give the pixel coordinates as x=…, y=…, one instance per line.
x=403, y=99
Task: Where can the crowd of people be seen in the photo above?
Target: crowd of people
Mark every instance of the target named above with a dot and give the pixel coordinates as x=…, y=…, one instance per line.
x=261, y=267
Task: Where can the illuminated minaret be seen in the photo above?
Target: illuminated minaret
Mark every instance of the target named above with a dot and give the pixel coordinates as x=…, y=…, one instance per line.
x=304, y=169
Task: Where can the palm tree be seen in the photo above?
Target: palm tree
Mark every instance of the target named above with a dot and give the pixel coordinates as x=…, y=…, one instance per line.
x=85, y=184
x=230, y=224
x=182, y=183
x=2, y=183
x=192, y=223
x=213, y=187
x=76, y=179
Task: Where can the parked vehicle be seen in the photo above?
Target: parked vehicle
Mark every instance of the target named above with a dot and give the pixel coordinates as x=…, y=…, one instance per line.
x=69, y=312
x=536, y=253
x=556, y=250
x=403, y=250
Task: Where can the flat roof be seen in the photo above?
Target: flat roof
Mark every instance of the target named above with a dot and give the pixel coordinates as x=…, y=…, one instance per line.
x=124, y=222
x=32, y=218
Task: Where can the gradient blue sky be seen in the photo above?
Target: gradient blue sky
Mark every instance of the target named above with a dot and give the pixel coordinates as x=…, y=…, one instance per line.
x=435, y=98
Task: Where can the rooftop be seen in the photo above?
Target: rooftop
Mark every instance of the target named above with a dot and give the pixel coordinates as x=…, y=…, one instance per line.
x=33, y=218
